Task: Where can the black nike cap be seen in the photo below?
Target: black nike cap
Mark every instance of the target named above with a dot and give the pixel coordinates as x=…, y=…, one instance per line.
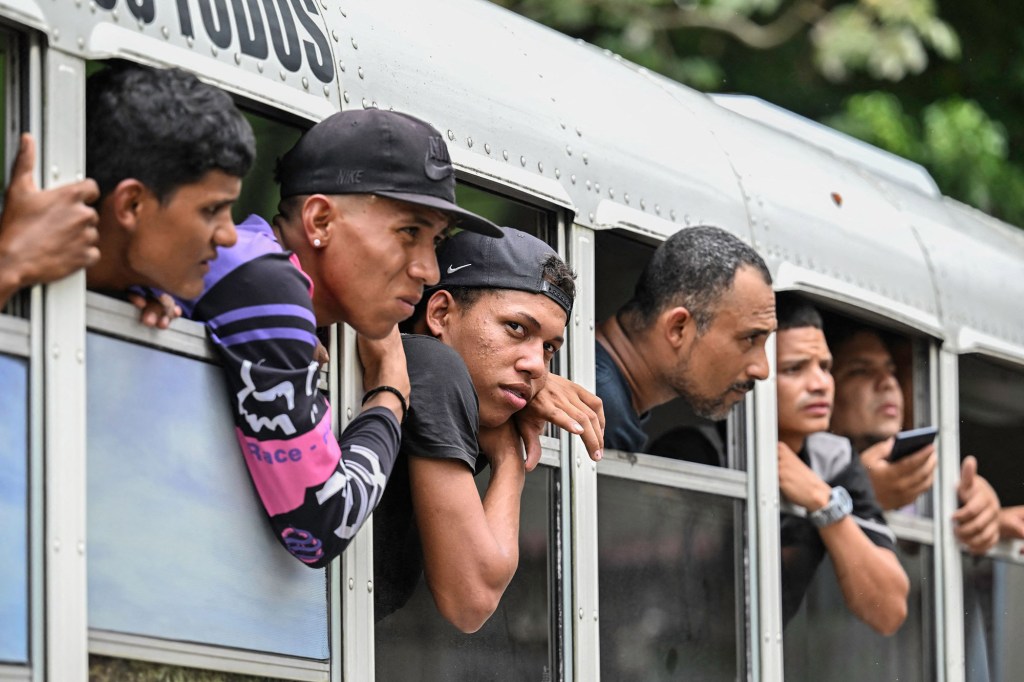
x=371, y=151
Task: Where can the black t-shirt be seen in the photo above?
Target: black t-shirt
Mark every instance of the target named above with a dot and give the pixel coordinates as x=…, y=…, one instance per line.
x=443, y=422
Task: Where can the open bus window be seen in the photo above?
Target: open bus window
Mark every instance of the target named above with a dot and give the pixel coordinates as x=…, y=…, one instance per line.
x=412, y=640
x=992, y=430
x=881, y=386
x=672, y=429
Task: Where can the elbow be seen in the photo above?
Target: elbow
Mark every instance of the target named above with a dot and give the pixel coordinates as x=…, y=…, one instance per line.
x=891, y=611
x=470, y=614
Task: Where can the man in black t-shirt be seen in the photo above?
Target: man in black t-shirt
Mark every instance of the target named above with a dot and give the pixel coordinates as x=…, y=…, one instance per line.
x=485, y=336
x=819, y=473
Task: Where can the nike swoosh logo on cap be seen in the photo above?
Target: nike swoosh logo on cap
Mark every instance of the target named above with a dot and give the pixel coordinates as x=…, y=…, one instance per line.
x=451, y=269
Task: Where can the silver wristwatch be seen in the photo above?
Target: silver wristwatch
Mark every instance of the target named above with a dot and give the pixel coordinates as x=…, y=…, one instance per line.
x=838, y=508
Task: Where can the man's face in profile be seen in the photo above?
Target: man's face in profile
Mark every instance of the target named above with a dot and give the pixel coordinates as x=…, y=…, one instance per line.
x=174, y=240
x=721, y=365
x=869, y=403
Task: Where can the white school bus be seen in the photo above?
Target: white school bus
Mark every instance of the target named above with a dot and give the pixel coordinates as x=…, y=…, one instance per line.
x=133, y=547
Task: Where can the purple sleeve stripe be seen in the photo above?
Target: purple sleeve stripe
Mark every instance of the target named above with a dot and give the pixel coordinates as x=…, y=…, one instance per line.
x=267, y=334
x=269, y=310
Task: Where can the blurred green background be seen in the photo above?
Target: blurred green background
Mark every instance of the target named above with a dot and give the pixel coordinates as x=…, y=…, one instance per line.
x=940, y=82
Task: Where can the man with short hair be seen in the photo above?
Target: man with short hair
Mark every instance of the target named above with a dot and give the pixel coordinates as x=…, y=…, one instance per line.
x=869, y=410
x=485, y=337
x=695, y=328
x=819, y=472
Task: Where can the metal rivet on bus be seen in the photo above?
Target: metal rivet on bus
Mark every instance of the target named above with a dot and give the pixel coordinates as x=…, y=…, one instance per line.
x=334, y=34
x=562, y=123
x=115, y=15
x=522, y=161
x=672, y=214
x=81, y=548
x=348, y=413
x=341, y=65
x=56, y=545
x=568, y=150
x=572, y=178
x=359, y=70
x=305, y=83
x=80, y=356
x=487, y=148
x=657, y=209
x=369, y=586
x=355, y=45
x=581, y=614
x=579, y=133
x=142, y=24
x=81, y=42
x=686, y=219
x=351, y=583
x=588, y=185
x=238, y=58
x=327, y=91
x=611, y=192
x=366, y=105
x=342, y=12
x=56, y=34
x=597, y=187
x=213, y=51
x=504, y=154
x=590, y=325
x=55, y=172
x=259, y=66
x=540, y=166
x=579, y=460
x=591, y=217
x=469, y=142
x=165, y=32
x=625, y=197
x=283, y=74
x=92, y=7
x=643, y=205
x=558, y=173
x=451, y=134
x=586, y=160
x=344, y=96
x=595, y=612
x=190, y=41
x=56, y=352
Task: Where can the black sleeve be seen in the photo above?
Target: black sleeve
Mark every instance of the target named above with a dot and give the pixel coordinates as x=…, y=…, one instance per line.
x=866, y=510
x=444, y=416
x=316, y=489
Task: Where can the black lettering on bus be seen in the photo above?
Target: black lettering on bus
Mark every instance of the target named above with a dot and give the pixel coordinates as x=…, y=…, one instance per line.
x=282, y=33
x=219, y=27
x=318, y=52
x=185, y=19
x=143, y=10
x=252, y=34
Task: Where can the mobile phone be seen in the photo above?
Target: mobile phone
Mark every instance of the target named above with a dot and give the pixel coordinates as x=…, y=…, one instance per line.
x=908, y=442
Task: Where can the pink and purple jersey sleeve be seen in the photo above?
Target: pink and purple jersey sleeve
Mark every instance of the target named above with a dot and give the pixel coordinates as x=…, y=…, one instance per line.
x=316, y=489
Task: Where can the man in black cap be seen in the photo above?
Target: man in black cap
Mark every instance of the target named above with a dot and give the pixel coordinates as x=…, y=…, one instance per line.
x=484, y=340
x=366, y=196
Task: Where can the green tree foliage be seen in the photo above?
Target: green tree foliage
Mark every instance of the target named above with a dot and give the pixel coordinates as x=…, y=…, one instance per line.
x=935, y=81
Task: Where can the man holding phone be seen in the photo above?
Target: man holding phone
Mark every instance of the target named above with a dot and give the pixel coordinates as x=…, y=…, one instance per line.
x=868, y=410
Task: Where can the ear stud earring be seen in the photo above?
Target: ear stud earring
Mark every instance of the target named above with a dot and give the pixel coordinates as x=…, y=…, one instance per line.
x=316, y=243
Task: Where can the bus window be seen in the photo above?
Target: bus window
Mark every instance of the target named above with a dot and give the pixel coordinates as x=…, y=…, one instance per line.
x=874, y=372
x=992, y=430
x=178, y=544
x=412, y=640
x=671, y=534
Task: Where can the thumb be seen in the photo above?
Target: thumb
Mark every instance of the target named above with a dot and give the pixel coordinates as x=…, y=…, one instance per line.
x=967, y=472
x=530, y=433
x=24, y=164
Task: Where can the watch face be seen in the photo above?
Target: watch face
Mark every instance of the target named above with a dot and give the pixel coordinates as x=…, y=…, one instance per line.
x=839, y=507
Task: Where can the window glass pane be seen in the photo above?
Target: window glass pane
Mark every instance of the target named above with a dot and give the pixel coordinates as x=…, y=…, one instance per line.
x=416, y=643
x=14, y=510
x=106, y=669
x=993, y=619
x=824, y=641
x=668, y=584
x=179, y=547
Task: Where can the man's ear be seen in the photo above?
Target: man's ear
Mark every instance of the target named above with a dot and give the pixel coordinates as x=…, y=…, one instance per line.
x=125, y=202
x=438, y=317
x=318, y=213
x=677, y=326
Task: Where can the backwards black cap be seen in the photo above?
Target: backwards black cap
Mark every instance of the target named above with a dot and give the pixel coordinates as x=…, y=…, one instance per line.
x=371, y=151
x=515, y=262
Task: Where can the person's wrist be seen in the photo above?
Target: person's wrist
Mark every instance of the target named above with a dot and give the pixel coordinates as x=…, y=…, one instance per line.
x=821, y=497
